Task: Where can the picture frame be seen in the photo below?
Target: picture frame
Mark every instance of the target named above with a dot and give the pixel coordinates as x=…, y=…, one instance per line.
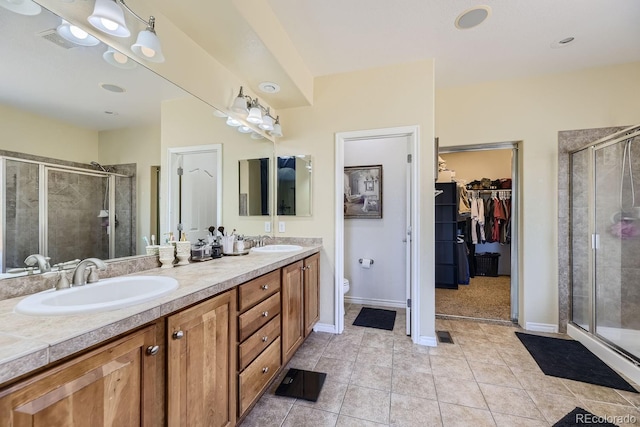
x=363, y=192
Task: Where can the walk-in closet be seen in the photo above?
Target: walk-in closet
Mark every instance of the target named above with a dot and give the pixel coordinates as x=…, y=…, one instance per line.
x=474, y=233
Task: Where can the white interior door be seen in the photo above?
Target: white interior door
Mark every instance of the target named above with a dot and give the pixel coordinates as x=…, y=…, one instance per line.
x=407, y=245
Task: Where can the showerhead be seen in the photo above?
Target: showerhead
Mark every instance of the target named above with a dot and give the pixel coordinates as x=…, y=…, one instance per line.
x=99, y=166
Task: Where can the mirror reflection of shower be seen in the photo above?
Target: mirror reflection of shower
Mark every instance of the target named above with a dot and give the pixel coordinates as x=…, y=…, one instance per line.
x=104, y=212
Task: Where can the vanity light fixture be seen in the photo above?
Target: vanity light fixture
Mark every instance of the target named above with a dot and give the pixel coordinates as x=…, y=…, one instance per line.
x=256, y=114
x=244, y=129
x=233, y=122
x=76, y=35
x=22, y=7
x=108, y=17
x=118, y=59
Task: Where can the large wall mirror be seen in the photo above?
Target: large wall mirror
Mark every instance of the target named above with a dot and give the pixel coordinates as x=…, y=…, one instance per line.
x=98, y=129
x=294, y=185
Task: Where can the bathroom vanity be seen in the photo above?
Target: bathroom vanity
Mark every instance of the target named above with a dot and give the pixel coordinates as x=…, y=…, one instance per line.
x=202, y=355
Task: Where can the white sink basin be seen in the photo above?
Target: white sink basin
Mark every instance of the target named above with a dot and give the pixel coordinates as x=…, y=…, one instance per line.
x=269, y=249
x=107, y=294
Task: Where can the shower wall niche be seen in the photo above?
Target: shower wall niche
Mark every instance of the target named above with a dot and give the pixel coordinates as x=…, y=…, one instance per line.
x=605, y=240
x=64, y=211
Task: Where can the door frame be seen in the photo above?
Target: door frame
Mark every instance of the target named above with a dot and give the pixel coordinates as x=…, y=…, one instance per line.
x=172, y=182
x=516, y=288
x=412, y=133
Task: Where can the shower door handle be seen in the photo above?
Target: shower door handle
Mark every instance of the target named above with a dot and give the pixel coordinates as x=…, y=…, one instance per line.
x=595, y=241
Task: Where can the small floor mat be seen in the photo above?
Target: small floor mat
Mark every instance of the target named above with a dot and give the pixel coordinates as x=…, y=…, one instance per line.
x=301, y=384
x=581, y=417
x=571, y=360
x=376, y=318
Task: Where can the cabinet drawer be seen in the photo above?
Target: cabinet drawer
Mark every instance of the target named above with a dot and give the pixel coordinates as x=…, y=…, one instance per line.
x=258, y=289
x=253, y=319
x=257, y=342
x=258, y=374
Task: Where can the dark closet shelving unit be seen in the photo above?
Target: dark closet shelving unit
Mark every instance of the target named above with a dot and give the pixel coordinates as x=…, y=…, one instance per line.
x=446, y=235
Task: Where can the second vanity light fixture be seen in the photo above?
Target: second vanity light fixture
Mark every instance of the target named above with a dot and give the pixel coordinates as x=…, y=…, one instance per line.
x=255, y=113
x=108, y=17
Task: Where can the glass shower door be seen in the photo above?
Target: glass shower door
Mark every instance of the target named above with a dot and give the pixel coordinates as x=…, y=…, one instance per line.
x=617, y=254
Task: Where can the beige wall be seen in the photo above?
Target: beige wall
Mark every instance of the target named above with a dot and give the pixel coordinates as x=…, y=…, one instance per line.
x=190, y=122
x=142, y=147
x=472, y=165
x=533, y=110
x=386, y=97
x=32, y=134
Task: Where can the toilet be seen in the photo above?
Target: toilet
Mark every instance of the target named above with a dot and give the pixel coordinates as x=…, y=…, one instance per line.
x=345, y=289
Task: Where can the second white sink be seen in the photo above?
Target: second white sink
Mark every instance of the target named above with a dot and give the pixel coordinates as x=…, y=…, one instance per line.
x=107, y=294
x=277, y=248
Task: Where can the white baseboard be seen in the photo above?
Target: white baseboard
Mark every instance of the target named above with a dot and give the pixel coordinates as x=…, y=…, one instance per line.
x=428, y=341
x=606, y=354
x=375, y=302
x=325, y=327
x=541, y=327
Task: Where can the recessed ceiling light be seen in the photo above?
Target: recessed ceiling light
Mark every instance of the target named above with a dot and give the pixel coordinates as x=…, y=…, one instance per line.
x=472, y=17
x=269, y=87
x=112, y=88
x=562, y=42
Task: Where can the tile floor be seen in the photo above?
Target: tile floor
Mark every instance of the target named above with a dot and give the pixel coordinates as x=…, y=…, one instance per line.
x=379, y=378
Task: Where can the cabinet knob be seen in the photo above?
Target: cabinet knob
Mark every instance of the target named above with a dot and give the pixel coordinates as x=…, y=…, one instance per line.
x=265, y=339
x=177, y=335
x=265, y=370
x=152, y=350
x=265, y=313
x=264, y=287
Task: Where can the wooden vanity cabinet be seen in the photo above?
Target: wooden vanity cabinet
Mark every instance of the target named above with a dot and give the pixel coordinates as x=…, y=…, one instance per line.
x=300, y=303
x=201, y=355
x=114, y=385
x=259, y=325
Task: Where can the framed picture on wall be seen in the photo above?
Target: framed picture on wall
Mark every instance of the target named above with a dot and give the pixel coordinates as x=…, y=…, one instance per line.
x=363, y=192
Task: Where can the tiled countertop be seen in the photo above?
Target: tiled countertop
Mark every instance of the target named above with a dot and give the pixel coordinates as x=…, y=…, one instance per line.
x=31, y=342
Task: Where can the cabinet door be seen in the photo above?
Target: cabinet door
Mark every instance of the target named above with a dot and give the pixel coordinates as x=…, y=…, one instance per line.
x=292, y=309
x=113, y=385
x=311, y=292
x=201, y=385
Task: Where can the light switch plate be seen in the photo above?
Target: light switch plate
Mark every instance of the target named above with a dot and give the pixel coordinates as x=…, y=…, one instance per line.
x=281, y=226
x=267, y=227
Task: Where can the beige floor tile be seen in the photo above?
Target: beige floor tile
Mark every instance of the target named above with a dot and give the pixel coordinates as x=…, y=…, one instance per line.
x=539, y=382
x=512, y=401
x=483, y=355
x=405, y=345
x=371, y=376
x=413, y=384
x=375, y=356
x=268, y=412
x=464, y=326
x=518, y=359
x=341, y=350
x=344, y=421
x=348, y=337
x=585, y=391
x=411, y=411
x=459, y=392
x=463, y=416
x=336, y=369
x=623, y=416
x=554, y=406
x=301, y=416
x=330, y=398
x=312, y=348
x=505, y=420
x=412, y=362
x=493, y=374
x=447, y=350
x=367, y=404
x=443, y=324
x=307, y=362
x=454, y=368
x=633, y=398
x=372, y=339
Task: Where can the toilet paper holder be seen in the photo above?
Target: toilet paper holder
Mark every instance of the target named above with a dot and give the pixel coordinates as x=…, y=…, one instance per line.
x=360, y=261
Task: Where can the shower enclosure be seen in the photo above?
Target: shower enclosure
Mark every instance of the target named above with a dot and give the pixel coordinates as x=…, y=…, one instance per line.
x=605, y=241
x=63, y=212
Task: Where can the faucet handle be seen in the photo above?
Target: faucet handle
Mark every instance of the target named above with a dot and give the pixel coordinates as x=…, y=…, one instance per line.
x=93, y=274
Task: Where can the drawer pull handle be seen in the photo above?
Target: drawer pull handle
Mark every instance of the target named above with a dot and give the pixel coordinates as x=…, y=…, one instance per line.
x=265, y=370
x=265, y=339
x=177, y=335
x=264, y=287
x=265, y=313
x=152, y=350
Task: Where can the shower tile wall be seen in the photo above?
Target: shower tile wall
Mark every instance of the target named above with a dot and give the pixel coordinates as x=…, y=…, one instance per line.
x=125, y=232
x=21, y=212
x=580, y=250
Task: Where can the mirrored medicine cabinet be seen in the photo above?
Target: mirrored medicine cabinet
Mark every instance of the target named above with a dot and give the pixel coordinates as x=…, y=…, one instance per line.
x=293, y=185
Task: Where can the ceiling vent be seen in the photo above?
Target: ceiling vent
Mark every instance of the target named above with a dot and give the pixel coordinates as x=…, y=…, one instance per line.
x=53, y=36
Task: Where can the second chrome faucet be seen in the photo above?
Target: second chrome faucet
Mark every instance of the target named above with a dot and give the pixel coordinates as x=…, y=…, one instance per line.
x=79, y=278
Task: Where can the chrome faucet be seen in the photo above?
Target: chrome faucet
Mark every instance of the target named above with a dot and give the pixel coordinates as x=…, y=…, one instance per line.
x=78, y=274
x=41, y=261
